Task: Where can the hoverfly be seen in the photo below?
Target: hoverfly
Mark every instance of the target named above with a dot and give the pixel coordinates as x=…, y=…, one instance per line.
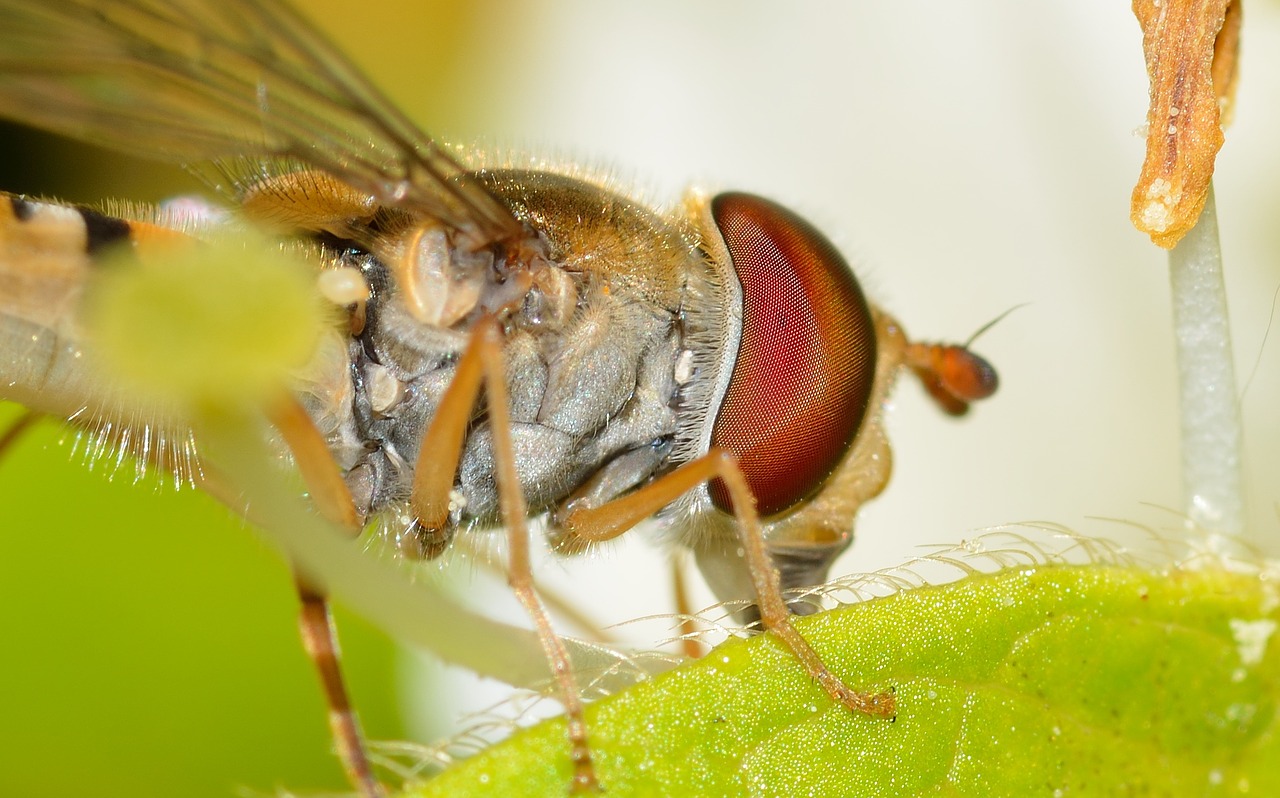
x=515, y=341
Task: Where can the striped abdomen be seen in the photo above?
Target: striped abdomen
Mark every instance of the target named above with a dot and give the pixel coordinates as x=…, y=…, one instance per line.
x=48, y=252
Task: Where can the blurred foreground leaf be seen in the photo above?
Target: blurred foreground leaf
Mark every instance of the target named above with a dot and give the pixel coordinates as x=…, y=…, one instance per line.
x=1047, y=680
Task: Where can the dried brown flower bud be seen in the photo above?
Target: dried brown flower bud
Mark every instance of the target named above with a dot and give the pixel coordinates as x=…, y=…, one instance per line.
x=1191, y=48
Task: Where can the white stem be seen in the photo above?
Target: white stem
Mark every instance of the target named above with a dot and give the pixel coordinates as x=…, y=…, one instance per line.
x=415, y=612
x=1211, y=430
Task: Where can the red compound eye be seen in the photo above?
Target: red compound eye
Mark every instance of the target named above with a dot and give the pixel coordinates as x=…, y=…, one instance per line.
x=807, y=359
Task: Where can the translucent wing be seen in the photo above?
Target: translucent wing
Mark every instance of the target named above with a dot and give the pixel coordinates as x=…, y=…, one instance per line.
x=192, y=80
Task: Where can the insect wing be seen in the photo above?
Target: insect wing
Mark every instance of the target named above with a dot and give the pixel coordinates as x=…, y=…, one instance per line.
x=200, y=80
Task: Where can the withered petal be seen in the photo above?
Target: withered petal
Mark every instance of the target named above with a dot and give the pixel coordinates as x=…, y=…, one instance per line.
x=1191, y=49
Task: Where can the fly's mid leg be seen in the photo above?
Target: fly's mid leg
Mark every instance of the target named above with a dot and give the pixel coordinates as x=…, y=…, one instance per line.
x=481, y=365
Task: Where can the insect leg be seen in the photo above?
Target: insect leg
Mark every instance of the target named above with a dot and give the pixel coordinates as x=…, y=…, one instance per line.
x=689, y=643
x=592, y=524
x=319, y=638
x=17, y=429
x=320, y=473
x=481, y=364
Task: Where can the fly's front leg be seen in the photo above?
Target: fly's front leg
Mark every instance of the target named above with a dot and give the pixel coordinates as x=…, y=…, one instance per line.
x=582, y=525
x=332, y=497
x=481, y=364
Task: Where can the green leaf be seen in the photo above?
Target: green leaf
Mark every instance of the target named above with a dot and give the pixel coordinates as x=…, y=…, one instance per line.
x=1046, y=680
